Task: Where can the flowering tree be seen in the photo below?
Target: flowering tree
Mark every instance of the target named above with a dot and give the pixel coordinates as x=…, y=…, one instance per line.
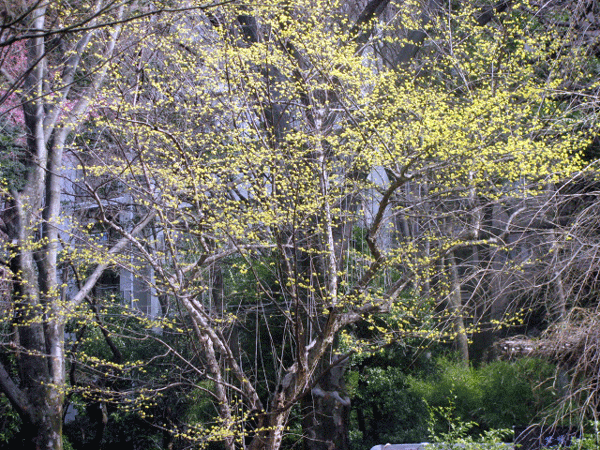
x=277, y=146
x=251, y=161
x=54, y=59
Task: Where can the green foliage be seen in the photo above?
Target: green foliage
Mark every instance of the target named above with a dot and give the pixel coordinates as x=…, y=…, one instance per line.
x=453, y=386
x=515, y=392
x=589, y=441
x=457, y=430
x=124, y=430
x=10, y=421
x=67, y=444
x=399, y=396
x=120, y=369
x=459, y=438
x=384, y=409
x=497, y=395
x=393, y=413
x=12, y=169
x=459, y=434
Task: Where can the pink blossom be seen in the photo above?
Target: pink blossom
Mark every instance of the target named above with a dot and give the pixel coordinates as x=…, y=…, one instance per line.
x=11, y=110
x=13, y=61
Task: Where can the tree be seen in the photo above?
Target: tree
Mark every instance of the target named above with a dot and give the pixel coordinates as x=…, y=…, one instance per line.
x=54, y=61
x=255, y=134
x=272, y=144
x=480, y=276
x=562, y=290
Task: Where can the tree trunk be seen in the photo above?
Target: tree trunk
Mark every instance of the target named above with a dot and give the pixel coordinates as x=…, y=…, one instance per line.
x=39, y=311
x=455, y=306
x=326, y=412
x=46, y=432
x=41, y=405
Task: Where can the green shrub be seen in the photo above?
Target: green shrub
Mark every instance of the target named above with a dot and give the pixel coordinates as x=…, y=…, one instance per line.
x=448, y=401
x=386, y=410
x=497, y=395
x=515, y=393
x=458, y=436
x=452, y=386
x=589, y=441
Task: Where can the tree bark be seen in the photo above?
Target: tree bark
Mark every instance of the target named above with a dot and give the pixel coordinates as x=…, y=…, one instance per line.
x=326, y=413
x=456, y=309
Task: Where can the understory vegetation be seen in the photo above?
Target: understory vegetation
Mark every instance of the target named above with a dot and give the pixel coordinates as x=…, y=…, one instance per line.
x=420, y=401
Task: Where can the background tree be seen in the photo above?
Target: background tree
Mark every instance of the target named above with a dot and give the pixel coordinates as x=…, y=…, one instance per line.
x=53, y=62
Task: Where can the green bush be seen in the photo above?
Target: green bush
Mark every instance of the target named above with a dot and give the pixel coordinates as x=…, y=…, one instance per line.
x=515, y=393
x=385, y=410
x=458, y=437
x=443, y=398
x=453, y=387
x=9, y=421
x=589, y=441
x=497, y=395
